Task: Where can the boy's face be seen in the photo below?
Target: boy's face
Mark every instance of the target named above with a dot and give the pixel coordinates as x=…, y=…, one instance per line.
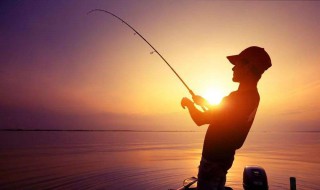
x=241, y=71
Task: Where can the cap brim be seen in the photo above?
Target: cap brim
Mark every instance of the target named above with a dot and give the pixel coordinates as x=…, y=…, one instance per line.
x=234, y=59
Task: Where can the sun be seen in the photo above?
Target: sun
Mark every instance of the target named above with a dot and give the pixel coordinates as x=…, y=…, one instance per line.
x=214, y=96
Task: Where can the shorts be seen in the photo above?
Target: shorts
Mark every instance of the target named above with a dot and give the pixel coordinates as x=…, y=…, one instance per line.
x=212, y=175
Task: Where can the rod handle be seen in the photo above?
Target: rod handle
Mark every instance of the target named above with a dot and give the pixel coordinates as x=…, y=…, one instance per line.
x=193, y=94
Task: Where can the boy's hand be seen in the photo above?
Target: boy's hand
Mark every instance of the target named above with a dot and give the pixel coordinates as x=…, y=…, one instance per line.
x=186, y=102
x=199, y=100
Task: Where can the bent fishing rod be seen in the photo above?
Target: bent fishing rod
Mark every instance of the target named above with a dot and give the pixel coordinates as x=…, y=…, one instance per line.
x=154, y=49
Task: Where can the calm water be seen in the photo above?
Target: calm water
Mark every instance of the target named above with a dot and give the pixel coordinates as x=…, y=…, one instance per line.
x=146, y=160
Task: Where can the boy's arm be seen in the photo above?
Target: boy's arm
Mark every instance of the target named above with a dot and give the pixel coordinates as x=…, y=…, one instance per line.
x=199, y=117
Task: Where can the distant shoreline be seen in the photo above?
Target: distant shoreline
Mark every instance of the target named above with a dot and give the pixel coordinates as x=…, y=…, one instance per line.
x=126, y=130
x=88, y=130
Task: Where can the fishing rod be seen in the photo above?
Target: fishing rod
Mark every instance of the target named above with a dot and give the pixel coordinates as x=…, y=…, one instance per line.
x=154, y=49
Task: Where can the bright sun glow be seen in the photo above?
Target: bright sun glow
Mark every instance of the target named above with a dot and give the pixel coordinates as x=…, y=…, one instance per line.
x=214, y=96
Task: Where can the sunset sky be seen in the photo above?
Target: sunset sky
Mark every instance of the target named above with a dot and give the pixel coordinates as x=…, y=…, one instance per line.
x=63, y=69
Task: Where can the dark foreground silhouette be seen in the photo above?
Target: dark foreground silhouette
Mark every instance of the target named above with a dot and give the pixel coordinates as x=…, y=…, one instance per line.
x=230, y=122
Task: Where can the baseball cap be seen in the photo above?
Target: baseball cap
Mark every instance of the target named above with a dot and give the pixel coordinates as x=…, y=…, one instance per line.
x=253, y=55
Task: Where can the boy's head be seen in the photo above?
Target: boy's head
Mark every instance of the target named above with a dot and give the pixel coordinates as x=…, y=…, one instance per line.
x=254, y=57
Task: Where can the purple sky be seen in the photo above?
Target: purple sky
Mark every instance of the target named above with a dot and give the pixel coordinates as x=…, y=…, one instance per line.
x=61, y=68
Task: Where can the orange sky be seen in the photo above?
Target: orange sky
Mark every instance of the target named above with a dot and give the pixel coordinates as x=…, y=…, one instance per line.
x=58, y=61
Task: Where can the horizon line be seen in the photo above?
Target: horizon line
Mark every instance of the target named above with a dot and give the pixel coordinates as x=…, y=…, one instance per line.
x=97, y=130
x=126, y=130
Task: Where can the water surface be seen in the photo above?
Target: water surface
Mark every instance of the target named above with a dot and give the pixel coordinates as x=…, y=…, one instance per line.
x=146, y=160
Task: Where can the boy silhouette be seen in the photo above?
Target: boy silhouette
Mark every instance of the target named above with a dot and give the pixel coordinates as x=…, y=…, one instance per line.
x=230, y=122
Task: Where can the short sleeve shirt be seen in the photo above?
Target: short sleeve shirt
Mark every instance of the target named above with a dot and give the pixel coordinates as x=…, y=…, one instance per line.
x=230, y=124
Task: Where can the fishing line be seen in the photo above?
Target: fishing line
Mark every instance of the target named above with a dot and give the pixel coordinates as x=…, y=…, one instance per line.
x=154, y=49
